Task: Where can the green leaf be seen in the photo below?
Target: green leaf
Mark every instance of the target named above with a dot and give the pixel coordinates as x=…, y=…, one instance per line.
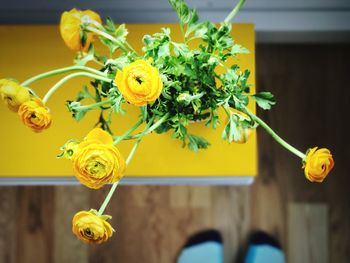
x=231, y=131
x=196, y=142
x=111, y=46
x=117, y=105
x=110, y=27
x=164, y=127
x=200, y=31
x=194, y=17
x=147, y=39
x=79, y=115
x=121, y=61
x=83, y=37
x=181, y=10
x=81, y=60
x=226, y=131
x=180, y=49
x=73, y=106
x=234, y=134
x=238, y=49
x=213, y=121
x=164, y=50
x=84, y=94
x=264, y=99
x=225, y=41
x=121, y=32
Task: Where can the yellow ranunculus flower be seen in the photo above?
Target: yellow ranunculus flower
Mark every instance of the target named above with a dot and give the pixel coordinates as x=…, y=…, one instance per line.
x=35, y=115
x=71, y=31
x=139, y=82
x=97, y=161
x=91, y=228
x=13, y=94
x=318, y=163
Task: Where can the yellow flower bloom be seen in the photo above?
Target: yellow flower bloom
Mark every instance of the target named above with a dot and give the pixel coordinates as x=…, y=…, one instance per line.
x=13, y=94
x=35, y=115
x=318, y=163
x=97, y=160
x=139, y=82
x=91, y=228
x=71, y=31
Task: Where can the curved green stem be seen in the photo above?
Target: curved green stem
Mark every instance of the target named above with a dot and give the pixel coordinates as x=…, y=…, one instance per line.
x=157, y=124
x=275, y=136
x=107, y=199
x=92, y=106
x=131, y=154
x=183, y=32
x=98, y=62
x=114, y=186
x=234, y=11
x=73, y=75
x=130, y=47
x=152, y=128
x=61, y=71
x=126, y=48
x=128, y=132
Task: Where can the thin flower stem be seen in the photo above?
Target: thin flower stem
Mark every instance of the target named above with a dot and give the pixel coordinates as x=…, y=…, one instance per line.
x=152, y=128
x=98, y=62
x=183, y=32
x=94, y=105
x=126, y=48
x=130, y=47
x=157, y=124
x=61, y=71
x=128, y=160
x=101, y=28
x=226, y=111
x=114, y=185
x=128, y=132
x=234, y=11
x=66, y=78
x=108, y=198
x=275, y=136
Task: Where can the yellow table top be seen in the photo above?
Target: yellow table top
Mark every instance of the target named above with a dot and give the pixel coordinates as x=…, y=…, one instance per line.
x=29, y=50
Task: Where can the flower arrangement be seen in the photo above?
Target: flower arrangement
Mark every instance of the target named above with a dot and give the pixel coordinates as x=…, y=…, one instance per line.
x=172, y=85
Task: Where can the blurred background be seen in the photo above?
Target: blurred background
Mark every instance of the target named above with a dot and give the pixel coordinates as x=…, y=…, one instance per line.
x=302, y=57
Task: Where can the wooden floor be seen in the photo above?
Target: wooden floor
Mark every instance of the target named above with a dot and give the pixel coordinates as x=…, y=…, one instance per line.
x=312, y=221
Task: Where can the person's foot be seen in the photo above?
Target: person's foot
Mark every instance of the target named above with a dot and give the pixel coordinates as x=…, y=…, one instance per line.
x=203, y=247
x=263, y=248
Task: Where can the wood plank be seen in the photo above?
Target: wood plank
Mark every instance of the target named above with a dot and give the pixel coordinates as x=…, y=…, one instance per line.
x=68, y=201
x=309, y=83
x=35, y=224
x=308, y=233
x=142, y=226
x=231, y=216
x=187, y=196
x=8, y=224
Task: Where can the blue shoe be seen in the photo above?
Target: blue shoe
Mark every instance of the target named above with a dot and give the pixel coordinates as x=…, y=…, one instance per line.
x=203, y=247
x=263, y=248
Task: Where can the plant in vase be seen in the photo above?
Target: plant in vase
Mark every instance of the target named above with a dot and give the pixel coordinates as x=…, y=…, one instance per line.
x=172, y=85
